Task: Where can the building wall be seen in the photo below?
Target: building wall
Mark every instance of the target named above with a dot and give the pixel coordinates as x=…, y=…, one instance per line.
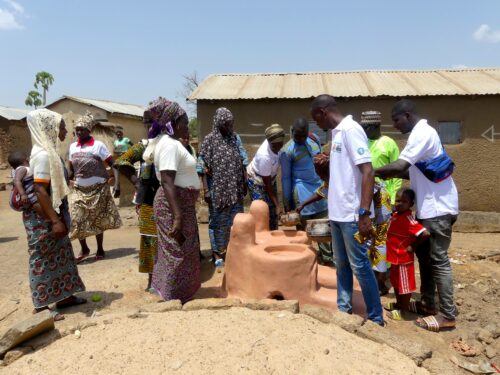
x=15, y=136
x=477, y=172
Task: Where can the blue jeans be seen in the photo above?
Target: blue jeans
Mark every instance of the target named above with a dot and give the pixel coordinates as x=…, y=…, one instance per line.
x=352, y=257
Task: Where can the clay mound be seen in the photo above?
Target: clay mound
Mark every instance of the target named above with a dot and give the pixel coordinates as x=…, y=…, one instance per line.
x=214, y=342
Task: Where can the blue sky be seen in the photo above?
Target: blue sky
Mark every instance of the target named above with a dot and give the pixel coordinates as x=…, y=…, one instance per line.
x=133, y=51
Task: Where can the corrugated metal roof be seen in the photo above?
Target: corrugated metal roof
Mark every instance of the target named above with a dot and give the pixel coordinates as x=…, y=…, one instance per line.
x=13, y=113
x=370, y=83
x=106, y=105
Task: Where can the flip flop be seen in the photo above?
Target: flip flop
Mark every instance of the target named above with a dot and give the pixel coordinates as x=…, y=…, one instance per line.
x=390, y=306
x=394, y=315
x=56, y=315
x=99, y=257
x=80, y=258
x=430, y=323
x=75, y=302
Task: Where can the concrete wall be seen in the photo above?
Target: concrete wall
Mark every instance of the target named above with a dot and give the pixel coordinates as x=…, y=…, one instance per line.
x=15, y=136
x=477, y=172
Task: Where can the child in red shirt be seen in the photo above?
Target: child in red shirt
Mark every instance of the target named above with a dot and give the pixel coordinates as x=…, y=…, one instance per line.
x=403, y=236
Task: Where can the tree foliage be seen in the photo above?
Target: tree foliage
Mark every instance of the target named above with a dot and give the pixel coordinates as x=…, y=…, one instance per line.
x=45, y=80
x=33, y=99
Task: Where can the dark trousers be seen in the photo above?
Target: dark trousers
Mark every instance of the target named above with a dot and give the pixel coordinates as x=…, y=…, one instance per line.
x=435, y=267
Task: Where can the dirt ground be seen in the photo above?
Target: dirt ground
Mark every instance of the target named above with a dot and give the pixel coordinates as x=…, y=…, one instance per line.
x=238, y=340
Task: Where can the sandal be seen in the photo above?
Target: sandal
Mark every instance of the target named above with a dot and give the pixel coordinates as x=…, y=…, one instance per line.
x=219, y=265
x=430, y=323
x=75, y=301
x=99, y=257
x=391, y=306
x=394, y=315
x=419, y=308
x=56, y=315
x=80, y=258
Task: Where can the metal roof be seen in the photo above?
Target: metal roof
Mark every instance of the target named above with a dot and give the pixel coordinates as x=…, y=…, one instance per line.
x=369, y=83
x=106, y=105
x=10, y=113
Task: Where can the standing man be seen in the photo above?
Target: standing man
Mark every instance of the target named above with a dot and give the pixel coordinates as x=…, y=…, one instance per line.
x=121, y=145
x=383, y=150
x=299, y=180
x=350, y=197
x=437, y=210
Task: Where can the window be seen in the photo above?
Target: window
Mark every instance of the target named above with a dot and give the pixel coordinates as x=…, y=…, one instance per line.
x=450, y=132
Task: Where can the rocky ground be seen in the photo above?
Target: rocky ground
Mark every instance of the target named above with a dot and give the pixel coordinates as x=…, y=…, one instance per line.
x=236, y=340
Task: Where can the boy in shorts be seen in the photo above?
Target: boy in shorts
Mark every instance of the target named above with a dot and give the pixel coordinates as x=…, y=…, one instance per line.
x=405, y=233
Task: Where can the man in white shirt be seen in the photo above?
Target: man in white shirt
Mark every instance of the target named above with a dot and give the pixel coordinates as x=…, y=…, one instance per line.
x=437, y=210
x=350, y=198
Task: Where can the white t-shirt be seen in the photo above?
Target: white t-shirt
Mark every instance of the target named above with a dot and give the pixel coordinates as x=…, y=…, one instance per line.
x=171, y=155
x=265, y=162
x=349, y=149
x=432, y=199
x=40, y=166
x=95, y=148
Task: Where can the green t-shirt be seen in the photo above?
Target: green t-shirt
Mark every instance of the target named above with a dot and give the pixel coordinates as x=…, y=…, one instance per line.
x=122, y=145
x=385, y=151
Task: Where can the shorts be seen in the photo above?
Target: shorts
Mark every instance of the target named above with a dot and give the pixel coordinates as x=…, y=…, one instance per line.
x=403, y=278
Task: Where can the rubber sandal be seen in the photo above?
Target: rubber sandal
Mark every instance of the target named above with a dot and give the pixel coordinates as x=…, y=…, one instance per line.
x=99, y=257
x=430, y=323
x=394, y=315
x=80, y=258
x=56, y=315
x=390, y=306
x=219, y=265
x=75, y=302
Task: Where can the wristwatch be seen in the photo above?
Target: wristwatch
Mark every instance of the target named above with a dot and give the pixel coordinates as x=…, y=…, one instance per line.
x=364, y=212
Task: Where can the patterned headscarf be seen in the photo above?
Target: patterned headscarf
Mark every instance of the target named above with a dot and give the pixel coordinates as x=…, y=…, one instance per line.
x=275, y=134
x=86, y=121
x=163, y=113
x=222, y=115
x=44, y=128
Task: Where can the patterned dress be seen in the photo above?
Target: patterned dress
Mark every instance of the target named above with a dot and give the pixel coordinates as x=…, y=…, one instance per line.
x=177, y=270
x=53, y=274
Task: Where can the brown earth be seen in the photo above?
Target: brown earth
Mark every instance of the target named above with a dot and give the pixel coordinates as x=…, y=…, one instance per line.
x=236, y=340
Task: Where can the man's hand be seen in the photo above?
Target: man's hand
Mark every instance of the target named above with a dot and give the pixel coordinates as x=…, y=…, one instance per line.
x=299, y=209
x=365, y=226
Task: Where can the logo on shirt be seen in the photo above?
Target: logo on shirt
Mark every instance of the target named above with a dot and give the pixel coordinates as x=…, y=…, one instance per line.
x=361, y=151
x=337, y=147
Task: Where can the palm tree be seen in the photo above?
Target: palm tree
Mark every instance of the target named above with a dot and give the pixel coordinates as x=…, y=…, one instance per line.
x=33, y=99
x=44, y=79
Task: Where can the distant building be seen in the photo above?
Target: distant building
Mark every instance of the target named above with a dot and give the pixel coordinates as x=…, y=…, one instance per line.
x=463, y=105
x=14, y=134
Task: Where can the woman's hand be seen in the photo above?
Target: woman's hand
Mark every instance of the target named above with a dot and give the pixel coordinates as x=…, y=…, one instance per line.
x=71, y=183
x=207, y=197
x=59, y=229
x=137, y=209
x=176, y=232
x=24, y=199
x=299, y=209
x=111, y=180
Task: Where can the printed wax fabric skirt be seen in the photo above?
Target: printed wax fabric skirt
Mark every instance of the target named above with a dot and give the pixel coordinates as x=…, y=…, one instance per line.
x=53, y=274
x=258, y=192
x=149, y=238
x=176, y=272
x=92, y=211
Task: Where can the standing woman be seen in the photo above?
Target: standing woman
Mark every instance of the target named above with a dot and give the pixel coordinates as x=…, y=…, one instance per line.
x=176, y=273
x=262, y=172
x=146, y=186
x=53, y=273
x=120, y=146
x=92, y=207
x=224, y=180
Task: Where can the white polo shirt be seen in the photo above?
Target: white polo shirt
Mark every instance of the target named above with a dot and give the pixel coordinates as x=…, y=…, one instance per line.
x=432, y=199
x=349, y=149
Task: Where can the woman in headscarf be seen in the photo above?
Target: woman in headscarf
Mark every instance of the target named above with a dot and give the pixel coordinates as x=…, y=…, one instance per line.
x=262, y=172
x=176, y=272
x=221, y=164
x=53, y=274
x=146, y=186
x=93, y=210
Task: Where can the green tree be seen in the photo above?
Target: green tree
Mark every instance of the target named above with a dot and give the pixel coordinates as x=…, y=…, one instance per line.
x=33, y=99
x=44, y=79
x=193, y=127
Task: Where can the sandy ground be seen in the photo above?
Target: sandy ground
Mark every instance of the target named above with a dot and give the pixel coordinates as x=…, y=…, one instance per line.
x=228, y=341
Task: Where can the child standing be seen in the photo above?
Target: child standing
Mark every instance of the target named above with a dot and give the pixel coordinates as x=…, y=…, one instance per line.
x=403, y=237
x=23, y=195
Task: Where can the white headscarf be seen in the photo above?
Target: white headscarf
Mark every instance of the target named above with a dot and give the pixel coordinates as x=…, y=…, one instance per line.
x=44, y=127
